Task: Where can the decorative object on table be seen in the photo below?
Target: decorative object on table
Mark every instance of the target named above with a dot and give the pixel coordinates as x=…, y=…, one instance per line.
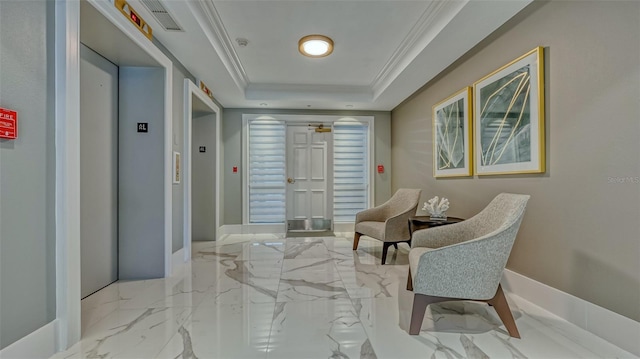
x=452, y=150
x=509, y=117
x=437, y=208
x=468, y=262
x=176, y=167
x=388, y=221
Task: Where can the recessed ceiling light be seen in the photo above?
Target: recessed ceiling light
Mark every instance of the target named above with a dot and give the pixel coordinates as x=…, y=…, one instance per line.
x=242, y=42
x=315, y=46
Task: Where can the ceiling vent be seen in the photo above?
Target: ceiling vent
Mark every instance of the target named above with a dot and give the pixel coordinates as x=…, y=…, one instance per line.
x=162, y=15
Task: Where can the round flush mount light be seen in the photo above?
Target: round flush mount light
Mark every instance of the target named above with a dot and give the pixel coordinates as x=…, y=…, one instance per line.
x=315, y=46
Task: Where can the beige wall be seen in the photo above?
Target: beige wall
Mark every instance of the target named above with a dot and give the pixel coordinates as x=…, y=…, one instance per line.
x=232, y=154
x=581, y=232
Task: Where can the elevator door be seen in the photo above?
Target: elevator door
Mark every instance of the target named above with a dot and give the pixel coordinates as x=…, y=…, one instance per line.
x=203, y=178
x=98, y=171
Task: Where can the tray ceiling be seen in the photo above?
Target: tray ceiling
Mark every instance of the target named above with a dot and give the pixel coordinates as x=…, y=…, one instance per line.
x=384, y=49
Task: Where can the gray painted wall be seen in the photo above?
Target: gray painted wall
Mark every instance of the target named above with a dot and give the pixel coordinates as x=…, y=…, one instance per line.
x=232, y=155
x=179, y=74
x=27, y=170
x=203, y=178
x=141, y=174
x=581, y=230
x=178, y=145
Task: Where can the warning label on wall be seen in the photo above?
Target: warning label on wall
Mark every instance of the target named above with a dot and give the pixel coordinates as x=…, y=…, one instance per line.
x=8, y=124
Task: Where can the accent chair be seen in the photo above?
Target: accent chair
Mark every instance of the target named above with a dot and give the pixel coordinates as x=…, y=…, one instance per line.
x=388, y=222
x=465, y=260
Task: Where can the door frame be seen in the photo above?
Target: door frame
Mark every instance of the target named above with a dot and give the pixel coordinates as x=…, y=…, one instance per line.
x=67, y=138
x=299, y=118
x=191, y=90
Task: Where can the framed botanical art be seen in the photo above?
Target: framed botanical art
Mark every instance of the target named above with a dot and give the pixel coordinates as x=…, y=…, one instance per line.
x=452, y=136
x=509, y=117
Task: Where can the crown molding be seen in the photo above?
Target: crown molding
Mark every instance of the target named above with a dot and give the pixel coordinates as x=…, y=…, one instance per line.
x=440, y=36
x=211, y=23
x=266, y=91
x=434, y=18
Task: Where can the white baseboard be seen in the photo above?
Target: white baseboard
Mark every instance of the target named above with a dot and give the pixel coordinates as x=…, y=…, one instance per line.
x=230, y=229
x=39, y=344
x=251, y=229
x=272, y=228
x=343, y=227
x=177, y=262
x=610, y=326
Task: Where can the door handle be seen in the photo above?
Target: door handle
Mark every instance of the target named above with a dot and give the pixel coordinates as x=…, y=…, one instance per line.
x=291, y=180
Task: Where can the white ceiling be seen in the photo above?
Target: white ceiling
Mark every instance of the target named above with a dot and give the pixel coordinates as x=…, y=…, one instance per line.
x=384, y=49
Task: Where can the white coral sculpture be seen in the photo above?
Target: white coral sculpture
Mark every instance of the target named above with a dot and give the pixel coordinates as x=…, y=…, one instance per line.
x=436, y=206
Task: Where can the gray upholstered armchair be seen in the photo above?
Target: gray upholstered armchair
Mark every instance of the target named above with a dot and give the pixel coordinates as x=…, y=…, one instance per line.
x=464, y=261
x=388, y=222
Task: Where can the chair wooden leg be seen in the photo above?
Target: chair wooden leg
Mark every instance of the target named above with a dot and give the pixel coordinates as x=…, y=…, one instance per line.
x=356, y=239
x=385, y=248
x=409, y=281
x=499, y=302
x=420, y=303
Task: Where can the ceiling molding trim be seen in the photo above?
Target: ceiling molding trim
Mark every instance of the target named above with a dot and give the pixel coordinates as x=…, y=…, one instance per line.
x=435, y=17
x=313, y=93
x=215, y=31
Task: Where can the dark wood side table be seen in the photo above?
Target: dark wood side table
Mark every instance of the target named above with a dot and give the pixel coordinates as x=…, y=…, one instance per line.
x=422, y=222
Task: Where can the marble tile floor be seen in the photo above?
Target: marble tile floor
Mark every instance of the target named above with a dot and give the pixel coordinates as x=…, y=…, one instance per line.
x=264, y=296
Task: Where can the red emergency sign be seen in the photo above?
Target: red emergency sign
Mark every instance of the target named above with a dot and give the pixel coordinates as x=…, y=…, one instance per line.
x=8, y=124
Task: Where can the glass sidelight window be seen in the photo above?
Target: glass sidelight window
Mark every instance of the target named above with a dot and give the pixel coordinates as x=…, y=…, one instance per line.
x=266, y=180
x=351, y=177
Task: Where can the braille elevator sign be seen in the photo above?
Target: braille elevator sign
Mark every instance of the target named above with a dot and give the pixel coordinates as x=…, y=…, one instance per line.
x=203, y=149
x=143, y=126
x=8, y=124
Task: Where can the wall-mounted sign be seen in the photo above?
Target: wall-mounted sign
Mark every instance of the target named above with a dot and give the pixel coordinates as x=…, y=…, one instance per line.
x=205, y=89
x=143, y=126
x=133, y=16
x=203, y=149
x=380, y=168
x=8, y=124
x=176, y=167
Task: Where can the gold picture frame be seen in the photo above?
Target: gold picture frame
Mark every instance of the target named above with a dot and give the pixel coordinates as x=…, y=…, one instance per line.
x=452, y=135
x=509, y=117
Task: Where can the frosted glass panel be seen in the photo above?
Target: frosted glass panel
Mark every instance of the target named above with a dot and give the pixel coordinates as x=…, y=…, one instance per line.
x=267, y=171
x=350, y=148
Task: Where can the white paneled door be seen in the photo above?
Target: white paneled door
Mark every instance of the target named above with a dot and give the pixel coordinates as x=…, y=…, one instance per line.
x=309, y=173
